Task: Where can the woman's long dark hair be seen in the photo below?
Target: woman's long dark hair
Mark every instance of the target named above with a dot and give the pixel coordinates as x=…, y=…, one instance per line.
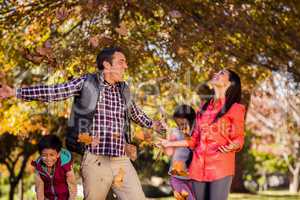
x=233, y=95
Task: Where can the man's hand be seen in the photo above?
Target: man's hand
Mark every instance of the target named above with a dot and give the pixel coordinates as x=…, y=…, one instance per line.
x=159, y=126
x=72, y=185
x=229, y=148
x=95, y=141
x=6, y=91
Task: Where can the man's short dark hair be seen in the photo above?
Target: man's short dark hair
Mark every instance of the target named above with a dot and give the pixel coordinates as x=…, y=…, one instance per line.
x=106, y=54
x=50, y=142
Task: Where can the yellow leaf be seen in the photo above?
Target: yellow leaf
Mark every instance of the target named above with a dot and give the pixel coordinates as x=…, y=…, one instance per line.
x=119, y=178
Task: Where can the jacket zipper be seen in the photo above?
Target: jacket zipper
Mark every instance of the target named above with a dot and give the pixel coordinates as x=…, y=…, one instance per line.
x=52, y=187
x=52, y=183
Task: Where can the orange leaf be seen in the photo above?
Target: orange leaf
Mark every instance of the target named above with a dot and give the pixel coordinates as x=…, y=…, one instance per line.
x=122, y=29
x=139, y=135
x=178, y=168
x=94, y=41
x=178, y=196
x=85, y=138
x=184, y=194
x=119, y=178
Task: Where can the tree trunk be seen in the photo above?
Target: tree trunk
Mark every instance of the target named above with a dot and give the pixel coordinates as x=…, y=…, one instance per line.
x=21, y=190
x=238, y=182
x=12, y=190
x=294, y=180
x=241, y=159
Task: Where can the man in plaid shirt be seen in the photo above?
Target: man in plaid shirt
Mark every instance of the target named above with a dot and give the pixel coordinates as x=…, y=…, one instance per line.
x=105, y=159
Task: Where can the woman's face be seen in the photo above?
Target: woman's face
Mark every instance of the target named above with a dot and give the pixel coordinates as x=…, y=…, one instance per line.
x=220, y=79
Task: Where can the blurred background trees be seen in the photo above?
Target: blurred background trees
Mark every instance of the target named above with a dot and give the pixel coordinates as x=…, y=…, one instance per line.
x=172, y=48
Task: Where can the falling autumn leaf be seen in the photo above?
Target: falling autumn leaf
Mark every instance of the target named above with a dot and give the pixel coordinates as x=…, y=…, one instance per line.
x=175, y=14
x=34, y=58
x=119, y=178
x=178, y=196
x=182, y=51
x=94, y=41
x=131, y=151
x=92, y=4
x=122, y=29
x=178, y=168
x=43, y=51
x=139, y=135
x=116, y=136
x=47, y=53
x=187, y=137
x=62, y=13
x=85, y=138
x=95, y=141
x=144, y=136
x=183, y=195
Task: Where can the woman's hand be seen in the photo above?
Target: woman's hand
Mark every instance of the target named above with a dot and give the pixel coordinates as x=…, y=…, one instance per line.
x=229, y=148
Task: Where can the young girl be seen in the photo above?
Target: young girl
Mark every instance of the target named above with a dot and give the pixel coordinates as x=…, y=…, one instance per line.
x=184, y=117
x=55, y=179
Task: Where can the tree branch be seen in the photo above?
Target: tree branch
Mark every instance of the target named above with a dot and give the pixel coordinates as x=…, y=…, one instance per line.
x=286, y=159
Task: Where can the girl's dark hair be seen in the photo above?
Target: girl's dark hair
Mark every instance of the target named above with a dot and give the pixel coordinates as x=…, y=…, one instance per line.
x=50, y=142
x=186, y=112
x=106, y=54
x=233, y=95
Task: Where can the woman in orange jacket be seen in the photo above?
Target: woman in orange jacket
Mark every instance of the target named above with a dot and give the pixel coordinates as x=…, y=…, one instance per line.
x=217, y=136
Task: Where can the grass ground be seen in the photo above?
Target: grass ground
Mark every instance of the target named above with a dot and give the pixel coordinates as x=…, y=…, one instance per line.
x=269, y=195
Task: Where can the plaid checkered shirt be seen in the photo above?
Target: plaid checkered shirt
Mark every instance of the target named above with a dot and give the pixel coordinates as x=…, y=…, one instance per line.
x=109, y=119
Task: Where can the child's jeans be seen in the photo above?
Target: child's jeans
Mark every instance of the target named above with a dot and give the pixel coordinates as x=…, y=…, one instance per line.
x=180, y=184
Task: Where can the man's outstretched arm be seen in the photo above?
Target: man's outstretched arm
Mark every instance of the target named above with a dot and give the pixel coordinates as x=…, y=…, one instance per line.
x=138, y=116
x=43, y=92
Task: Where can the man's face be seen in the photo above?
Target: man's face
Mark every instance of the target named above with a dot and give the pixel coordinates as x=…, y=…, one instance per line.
x=118, y=66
